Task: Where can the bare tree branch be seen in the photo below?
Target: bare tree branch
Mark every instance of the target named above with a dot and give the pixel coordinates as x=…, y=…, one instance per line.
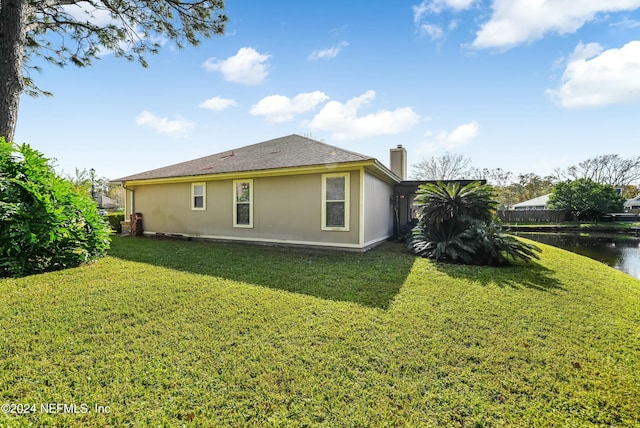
x=133, y=29
x=446, y=167
x=606, y=169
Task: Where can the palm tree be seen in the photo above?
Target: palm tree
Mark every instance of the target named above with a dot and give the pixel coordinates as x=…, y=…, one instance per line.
x=457, y=224
x=452, y=202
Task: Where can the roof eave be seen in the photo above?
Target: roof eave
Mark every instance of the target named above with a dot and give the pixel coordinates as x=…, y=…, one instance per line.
x=295, y=170
x=384, y=173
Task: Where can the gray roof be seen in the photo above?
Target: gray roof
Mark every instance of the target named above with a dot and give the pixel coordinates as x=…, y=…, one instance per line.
x=540, y=201
x=632, y=202
x=290, y=151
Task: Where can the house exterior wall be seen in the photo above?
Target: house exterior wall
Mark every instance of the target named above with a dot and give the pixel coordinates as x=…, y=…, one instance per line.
x=286, y=209
x=378, y=210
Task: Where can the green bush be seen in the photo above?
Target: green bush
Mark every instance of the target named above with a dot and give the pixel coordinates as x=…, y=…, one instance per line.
x=45, y=224
x=114, y=220
x=585, y=199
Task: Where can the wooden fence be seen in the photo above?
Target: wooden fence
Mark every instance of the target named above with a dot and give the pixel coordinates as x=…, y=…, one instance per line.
x=533, y=216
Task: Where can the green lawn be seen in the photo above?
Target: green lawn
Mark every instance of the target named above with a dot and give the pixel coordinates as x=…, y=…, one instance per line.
x=171, y=333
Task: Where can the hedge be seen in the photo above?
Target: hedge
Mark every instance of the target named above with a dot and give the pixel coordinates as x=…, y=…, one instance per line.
x=114, y=221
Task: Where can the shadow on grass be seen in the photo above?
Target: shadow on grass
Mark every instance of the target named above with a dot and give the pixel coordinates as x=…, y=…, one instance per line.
x=371, y=279
x=521, y=275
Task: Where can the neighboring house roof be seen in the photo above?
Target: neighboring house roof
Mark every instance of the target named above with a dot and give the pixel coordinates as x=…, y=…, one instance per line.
x=633, y=202
x=285, y=152
x=540, y=201
x=105, y=201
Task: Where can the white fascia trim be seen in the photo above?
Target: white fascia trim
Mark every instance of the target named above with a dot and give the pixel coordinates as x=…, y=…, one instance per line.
x=361, y=205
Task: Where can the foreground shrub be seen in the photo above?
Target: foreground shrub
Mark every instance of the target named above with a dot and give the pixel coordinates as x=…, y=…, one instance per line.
x=45, y=224
x=457, y=224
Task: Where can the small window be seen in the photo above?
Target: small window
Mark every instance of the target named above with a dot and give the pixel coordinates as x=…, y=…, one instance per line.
x=243, y=203
x=198, y=196
x=335, y=202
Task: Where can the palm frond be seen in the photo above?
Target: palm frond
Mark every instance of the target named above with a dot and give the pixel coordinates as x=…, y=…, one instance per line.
x=456, y=224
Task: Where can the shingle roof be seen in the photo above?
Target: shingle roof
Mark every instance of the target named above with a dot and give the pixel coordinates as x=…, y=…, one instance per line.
x=535, y=202
x=633, y=201
x=290, y=151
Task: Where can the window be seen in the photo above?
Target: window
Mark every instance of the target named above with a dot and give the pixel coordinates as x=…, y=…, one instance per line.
x=243, y=203
x=199, y=196
x=335, y=202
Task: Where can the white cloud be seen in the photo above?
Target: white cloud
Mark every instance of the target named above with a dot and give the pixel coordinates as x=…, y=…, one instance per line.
x=435, y=32
x=437, y=6
x=626, y=23
x=177, y=127
x=520, y=21
x=422, y=11
x=343, y=120
x=583, y=52
x=596, y=77
x=460, y=136
x=217, y=104
x=247, y=66
x=84, y=11
x=513, y=22
x=332, y=52
x=278, y=108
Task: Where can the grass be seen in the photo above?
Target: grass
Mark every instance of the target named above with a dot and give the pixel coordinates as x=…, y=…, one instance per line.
x=170, y=333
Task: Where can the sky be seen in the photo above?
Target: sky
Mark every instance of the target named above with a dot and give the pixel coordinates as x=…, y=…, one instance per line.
x=522, y=85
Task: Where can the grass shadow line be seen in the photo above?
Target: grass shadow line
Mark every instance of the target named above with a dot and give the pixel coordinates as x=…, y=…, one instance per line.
x=371, y=279
x=531, y=275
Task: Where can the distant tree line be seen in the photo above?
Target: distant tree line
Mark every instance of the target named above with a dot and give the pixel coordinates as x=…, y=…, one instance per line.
x=89, y=183
x=611, y=170
x=605, y=169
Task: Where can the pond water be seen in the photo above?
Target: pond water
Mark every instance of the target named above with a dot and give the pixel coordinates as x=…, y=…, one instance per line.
x=620, y=252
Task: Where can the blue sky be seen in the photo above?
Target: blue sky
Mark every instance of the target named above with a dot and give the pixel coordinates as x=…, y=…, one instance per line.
x=524, y=85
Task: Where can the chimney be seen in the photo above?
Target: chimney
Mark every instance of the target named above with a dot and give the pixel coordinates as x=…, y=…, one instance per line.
x=398, y=162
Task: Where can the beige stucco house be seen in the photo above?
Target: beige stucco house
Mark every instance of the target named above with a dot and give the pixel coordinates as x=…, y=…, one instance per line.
x=291, y=190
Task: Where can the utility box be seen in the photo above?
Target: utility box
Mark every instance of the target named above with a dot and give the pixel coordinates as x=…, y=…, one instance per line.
x=135, y=224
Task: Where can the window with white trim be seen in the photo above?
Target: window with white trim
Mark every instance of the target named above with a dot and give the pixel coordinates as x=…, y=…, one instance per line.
x=243, y=203
x=199, y=196
x=335, y=201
